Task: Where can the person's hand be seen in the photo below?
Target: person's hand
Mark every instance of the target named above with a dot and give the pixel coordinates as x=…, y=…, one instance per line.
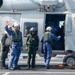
x=22, y=48
x=36, y=48
x=59, y=36
x=26, y=48
x=7, y=23
x=3, y=46
x=5, y=52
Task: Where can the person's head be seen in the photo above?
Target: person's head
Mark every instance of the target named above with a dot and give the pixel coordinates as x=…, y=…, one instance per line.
x=49, y=29
x=16, y=26
x=33, y=31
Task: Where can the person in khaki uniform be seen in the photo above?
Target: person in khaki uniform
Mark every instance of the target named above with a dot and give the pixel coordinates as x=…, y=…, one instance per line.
x=32, y=43
x=5, y=50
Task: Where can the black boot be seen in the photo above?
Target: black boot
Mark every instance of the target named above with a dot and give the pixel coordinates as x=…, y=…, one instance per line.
x=47, y=67
x=28, y=68
x=33, y=67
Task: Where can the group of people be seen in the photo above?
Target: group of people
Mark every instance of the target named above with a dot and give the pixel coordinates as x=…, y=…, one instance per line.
x=32, y=44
